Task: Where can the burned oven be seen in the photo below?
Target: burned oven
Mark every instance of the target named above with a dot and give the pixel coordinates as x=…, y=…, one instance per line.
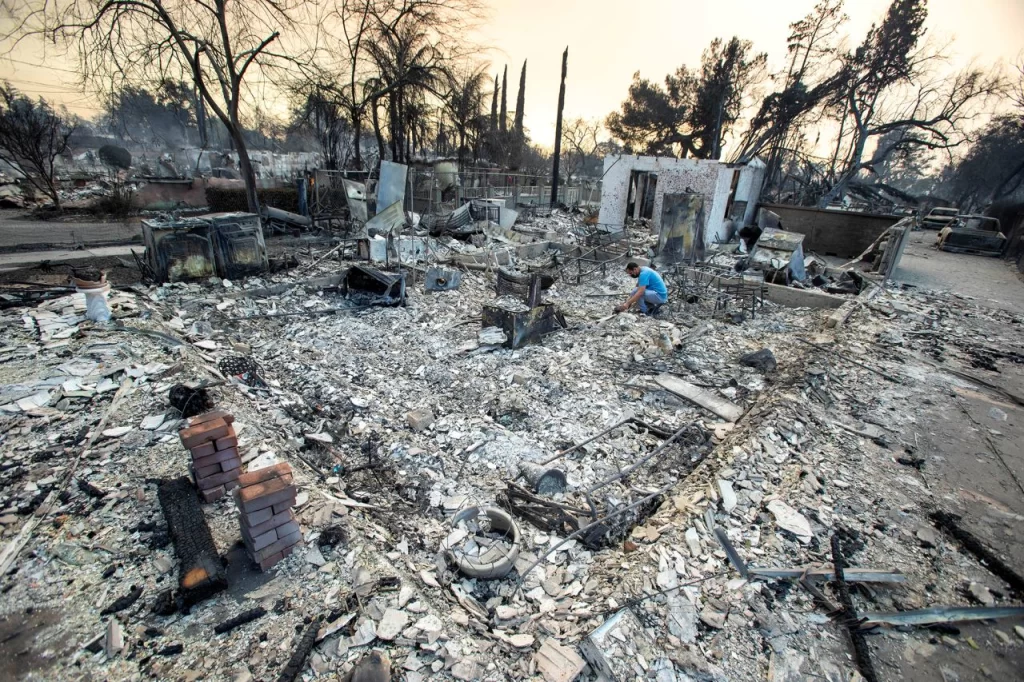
x=228, y=245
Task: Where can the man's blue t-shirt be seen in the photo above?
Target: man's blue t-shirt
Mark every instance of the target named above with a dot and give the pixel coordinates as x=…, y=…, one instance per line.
x=652, y=280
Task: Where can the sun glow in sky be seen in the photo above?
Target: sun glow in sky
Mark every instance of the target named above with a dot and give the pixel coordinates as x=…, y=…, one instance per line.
x=610, y=40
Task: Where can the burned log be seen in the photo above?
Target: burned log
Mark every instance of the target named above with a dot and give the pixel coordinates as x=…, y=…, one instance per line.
x=122, y=603
x=298, y=659
x=241, y=619
x=201, y=573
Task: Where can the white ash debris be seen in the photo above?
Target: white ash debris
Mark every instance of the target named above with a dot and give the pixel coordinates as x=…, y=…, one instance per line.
x=378, y=495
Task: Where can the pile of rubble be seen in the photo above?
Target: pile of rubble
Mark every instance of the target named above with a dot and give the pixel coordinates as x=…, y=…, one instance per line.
x=625, y=496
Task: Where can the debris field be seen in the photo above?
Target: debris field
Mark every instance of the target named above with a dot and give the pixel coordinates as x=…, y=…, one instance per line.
x=730, y=490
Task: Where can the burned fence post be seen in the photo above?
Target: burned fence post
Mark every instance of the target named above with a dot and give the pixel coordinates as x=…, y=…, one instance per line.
x=201, y=573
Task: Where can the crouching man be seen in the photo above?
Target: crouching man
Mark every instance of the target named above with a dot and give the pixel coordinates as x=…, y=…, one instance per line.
x=650, y=293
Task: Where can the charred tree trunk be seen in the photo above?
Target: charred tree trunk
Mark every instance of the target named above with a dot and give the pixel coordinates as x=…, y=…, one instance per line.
x=376, y=129
x=245, y=169
x=357, y=132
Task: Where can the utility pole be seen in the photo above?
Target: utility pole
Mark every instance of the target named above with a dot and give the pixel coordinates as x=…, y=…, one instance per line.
x=558, y=129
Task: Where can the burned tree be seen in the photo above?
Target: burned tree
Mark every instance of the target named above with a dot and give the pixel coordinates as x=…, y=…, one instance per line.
x=728, y=71
x=889, y=83
x=776, y=132
x=579, y=145
x=558, y=129
x=317, y=108
x=32, y=136
x=695, y=110
x=216, y=46
x=464, y=105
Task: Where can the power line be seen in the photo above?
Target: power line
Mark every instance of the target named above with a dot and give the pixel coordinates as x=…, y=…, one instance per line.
x=40, y=66
x=67, y=90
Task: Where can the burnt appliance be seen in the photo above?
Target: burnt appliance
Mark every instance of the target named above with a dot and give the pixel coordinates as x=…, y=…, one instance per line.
x=228, y=245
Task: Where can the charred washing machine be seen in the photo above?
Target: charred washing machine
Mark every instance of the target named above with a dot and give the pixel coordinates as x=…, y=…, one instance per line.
x=228, y=245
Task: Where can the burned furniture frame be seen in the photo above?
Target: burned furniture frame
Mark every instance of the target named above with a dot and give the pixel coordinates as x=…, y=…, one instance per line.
x=598, y=250
x=694, y=285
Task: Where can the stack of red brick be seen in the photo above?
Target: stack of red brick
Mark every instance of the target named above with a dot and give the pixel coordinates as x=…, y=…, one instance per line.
x=264, y=500
x=215, y=462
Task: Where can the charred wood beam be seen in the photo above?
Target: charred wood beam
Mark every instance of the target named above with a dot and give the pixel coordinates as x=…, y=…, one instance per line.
x=201, y=573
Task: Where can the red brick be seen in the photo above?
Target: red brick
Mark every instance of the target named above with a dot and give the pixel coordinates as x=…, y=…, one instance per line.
x=257, y=542
x=287, y=504
x=270, y=561
x=210, y=416
x=279, y=470
x=264, y=495
x=226, y=442
x=231, y=485
x=287, y=528
x=204, y=450
x=213, y=494
x=202, y=433
x=279, y=546
x=216, y=458
x=270, y=524
x=217, y=479
x=256, y=517
x=203, y=472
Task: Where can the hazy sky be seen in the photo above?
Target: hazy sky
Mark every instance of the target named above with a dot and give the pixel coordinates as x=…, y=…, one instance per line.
x=609, y=40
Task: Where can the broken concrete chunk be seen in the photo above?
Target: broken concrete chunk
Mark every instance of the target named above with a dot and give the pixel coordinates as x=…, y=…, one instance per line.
x=392, y=624
x=728, y=496
x=429, y=623
x=152, y=422
x=981, y=594
x=114, y=642
x=466, y=670
x=521, y=641
x=693, y=542
x=928, y=537
x=712, y=618
x=790, y=519
x=322, y=437
x=420, y=419
x=682, y=615
x=558, y=663
x=614, y=648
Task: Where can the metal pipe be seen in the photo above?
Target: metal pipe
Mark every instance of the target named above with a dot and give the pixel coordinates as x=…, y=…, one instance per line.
x=622, y=474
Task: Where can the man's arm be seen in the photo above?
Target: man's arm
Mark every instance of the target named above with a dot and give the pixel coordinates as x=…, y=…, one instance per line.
x=631, y=301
